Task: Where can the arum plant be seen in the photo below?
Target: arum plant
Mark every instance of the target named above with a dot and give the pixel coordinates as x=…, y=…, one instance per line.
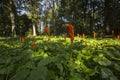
x=94, y=34
x=83, y=35
x=78, y=35
x=71, y=32
x=118, y=36
x=71, y=36
x=22, y=39
x=34, y=45
x=47, y=30
x=113, y=32
x=64, y=36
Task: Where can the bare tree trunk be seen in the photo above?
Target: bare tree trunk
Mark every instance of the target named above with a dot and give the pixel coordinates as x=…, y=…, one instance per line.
x=12, y=16
x=13, y=24
x=34, y=29
x=53, y=16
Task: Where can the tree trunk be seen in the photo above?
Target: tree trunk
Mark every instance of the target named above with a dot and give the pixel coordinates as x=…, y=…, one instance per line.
x=12, y=16
x=34, y=29
x=53, y=17
x=109, y=19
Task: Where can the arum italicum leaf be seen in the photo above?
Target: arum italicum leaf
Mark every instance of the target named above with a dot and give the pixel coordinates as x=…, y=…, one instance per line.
x=105, y=62
x=30, y=65
x=21, y=75
x=3, y=71
x=114, y=54
x=106, y=72
x=113, y=78
x=60, y=67
x=102, y=60
x=46, y=61
x=38, y=74
x=84, y=51
x=117, y=67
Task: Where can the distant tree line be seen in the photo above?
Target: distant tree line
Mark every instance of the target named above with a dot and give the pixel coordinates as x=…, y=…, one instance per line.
x=87, y=16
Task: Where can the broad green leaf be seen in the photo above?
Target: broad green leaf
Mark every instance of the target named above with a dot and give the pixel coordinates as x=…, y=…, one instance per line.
x=60, y=67
x=113, y=77
x=40, y=73
x=3, y=71
x=21, y=75
x=6, y=70
x=102, y=60
x=59, y=78
x=106, y=72
x=117, y=67
x=30, y=65
x=84, y=51
x=105, y=62
x=114, y=54
x=76, y=76
x=46, y=61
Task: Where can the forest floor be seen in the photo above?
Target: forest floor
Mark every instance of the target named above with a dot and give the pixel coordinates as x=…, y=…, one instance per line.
x=41, y=58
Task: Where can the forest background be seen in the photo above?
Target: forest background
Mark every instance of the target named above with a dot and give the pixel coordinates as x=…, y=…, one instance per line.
x=24, y=17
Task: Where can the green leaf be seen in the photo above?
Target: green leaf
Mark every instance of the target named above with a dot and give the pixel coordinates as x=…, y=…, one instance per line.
x=106, y=72
x=40, y=73
x=105, y=62
x=2, y=60
x=21, y=75
x=117, y=67
x=46, y=61
x=6, y=70
x=30, y=65
x=113, y=78
x=76, y=76
x=84, y=51
x=60, y=67
x=102, y=60
x=114, y=54
x=3, y=71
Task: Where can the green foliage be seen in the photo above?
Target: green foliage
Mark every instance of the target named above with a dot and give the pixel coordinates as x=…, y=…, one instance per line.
x=23, y=25
x=91, y=59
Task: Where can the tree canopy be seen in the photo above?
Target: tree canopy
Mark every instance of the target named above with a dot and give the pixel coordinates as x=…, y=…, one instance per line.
x=87, y=16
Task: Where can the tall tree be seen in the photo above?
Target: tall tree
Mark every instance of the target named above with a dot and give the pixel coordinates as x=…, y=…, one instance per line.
x=12, y=10
x=110, y=14
x=33, y=13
